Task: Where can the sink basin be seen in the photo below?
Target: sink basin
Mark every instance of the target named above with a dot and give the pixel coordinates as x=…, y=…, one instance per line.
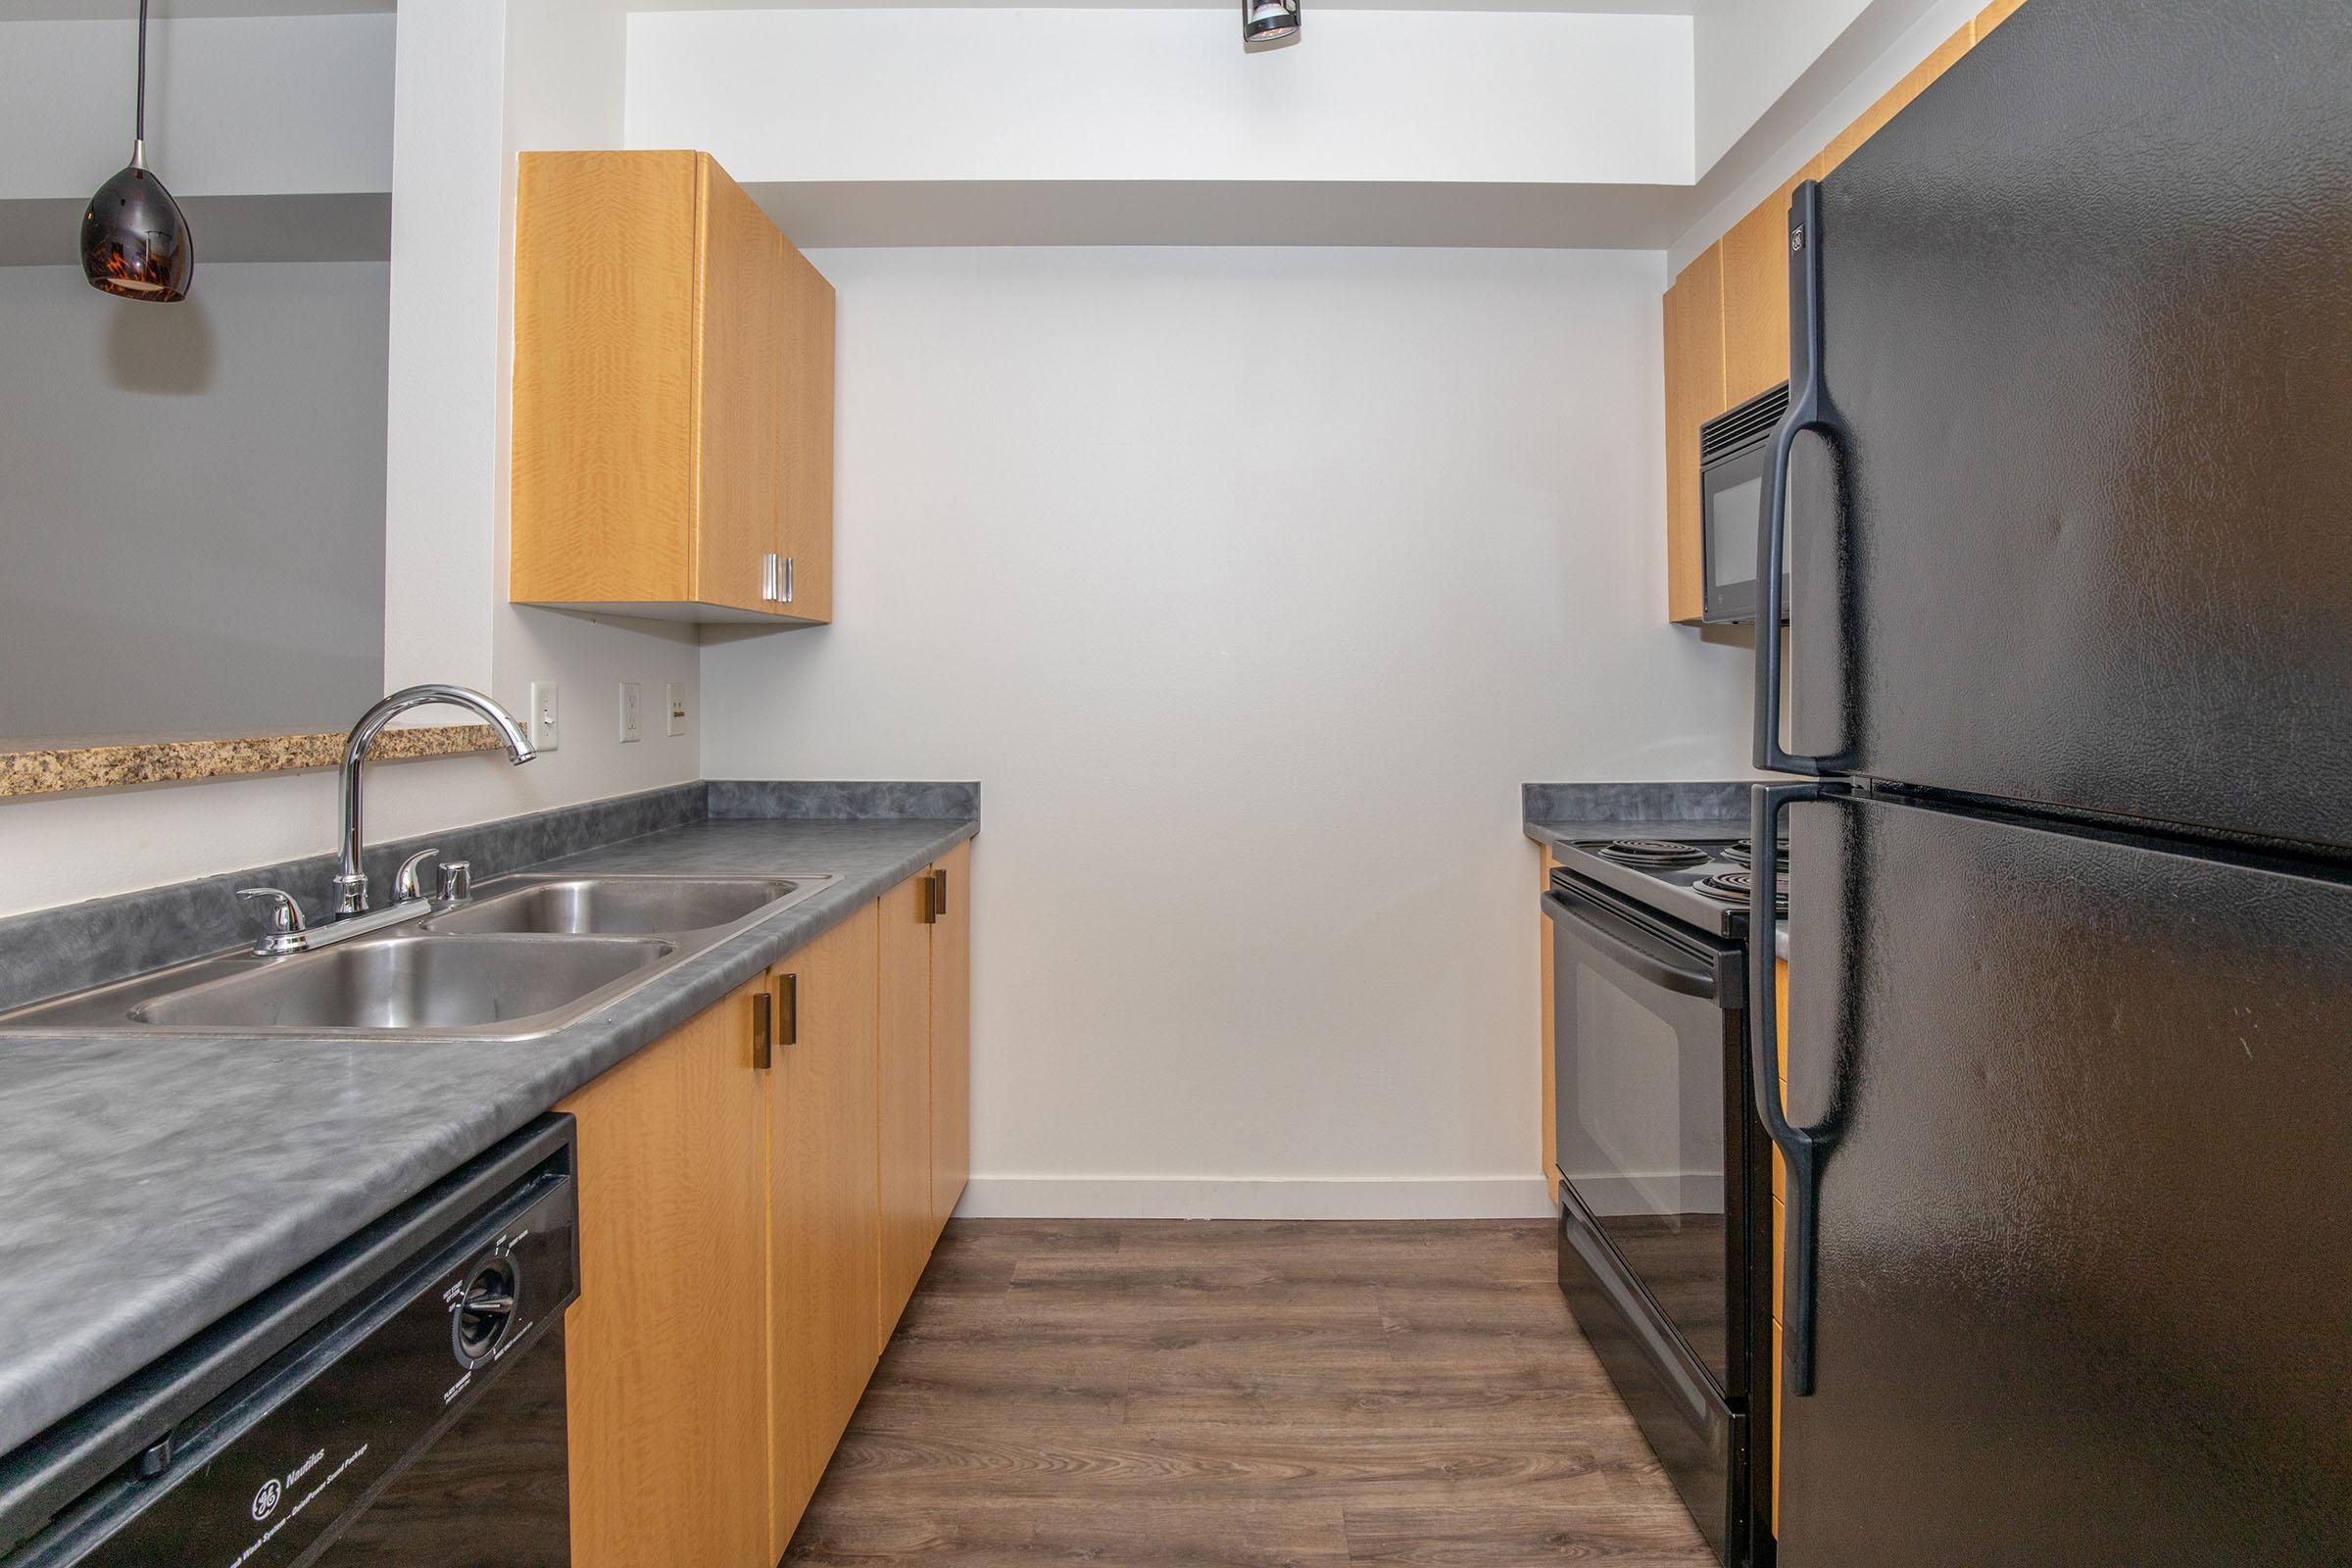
x=488, y=984
x=528, y=955
x=621, y=906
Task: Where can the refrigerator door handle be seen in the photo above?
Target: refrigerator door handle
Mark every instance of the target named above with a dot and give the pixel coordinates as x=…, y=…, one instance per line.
x=1809, y=409
x=1803, y=1148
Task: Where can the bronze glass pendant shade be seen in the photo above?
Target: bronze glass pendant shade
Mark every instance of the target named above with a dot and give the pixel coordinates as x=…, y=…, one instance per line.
x=135, y=241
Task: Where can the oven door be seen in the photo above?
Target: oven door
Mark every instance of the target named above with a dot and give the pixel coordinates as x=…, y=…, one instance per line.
x=1653, y=1129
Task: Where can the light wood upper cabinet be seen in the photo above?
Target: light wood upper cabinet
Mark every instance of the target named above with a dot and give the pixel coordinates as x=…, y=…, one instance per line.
x=1755, y=299
x=673, y=396
x=1694, y=394
x=951, y=1033
x=907, y=1231
x=823, y=1213
x=666, y=1346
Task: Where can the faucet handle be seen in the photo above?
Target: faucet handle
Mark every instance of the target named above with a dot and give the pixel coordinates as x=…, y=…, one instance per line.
x=409, y=884
x=283, y=914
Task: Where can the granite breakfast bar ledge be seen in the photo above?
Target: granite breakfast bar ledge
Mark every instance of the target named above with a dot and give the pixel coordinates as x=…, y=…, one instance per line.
x=56, y=767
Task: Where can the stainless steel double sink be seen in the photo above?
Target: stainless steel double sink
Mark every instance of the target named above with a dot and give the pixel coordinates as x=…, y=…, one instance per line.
x=526, y=957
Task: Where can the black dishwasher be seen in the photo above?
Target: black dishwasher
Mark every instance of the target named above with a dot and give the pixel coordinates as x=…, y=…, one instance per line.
x=399, y=1401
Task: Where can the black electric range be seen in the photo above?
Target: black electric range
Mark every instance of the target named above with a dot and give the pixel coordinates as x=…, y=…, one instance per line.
x=1701, y=879
x=1665, y=1179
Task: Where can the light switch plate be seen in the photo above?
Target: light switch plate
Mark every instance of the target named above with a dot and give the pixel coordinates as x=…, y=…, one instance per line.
x=547, y=731
x=674, y=701
x=632, y=712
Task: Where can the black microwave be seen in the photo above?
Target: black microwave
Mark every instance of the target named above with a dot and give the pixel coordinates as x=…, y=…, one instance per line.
x=1734, y=449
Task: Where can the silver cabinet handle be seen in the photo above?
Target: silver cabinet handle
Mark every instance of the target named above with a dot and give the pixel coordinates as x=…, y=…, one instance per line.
x=771, y=578
x=786, y=594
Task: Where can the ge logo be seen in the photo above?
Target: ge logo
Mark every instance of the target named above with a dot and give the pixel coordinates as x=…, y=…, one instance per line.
x=265, y=1501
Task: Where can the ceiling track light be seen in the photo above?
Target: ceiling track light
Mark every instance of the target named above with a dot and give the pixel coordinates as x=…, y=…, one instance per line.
x=1268, y=20
x=135, y=241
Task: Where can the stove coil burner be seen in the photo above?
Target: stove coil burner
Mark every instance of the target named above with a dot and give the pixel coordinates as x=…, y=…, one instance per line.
x=1653, y=855
x=1733, y=887
x=1744, y=851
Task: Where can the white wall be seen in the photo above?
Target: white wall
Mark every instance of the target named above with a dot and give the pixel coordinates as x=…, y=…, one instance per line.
x=197, y=490
x=458, y=116
x=1252, y=584
x=1879, y=49
x=1744, y=56
x=886, y=93
x=269, y=105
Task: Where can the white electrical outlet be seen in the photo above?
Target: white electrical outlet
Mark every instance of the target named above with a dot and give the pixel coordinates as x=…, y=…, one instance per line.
x=632, y=714
x=675, y=701
x=547, y=731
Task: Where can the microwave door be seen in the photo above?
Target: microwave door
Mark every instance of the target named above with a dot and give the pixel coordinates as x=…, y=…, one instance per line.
x=1732, y=494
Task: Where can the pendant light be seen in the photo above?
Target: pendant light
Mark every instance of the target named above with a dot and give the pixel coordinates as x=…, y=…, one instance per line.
x=1265, y=20
x=135, y=241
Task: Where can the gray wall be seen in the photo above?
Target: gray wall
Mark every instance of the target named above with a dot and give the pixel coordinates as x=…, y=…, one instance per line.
x=192, y=502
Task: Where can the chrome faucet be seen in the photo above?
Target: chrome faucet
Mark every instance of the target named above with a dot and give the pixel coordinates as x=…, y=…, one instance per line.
x=351, y=882
x=288, y=933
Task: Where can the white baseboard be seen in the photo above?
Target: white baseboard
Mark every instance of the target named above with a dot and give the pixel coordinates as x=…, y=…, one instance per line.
x=1217, y=1197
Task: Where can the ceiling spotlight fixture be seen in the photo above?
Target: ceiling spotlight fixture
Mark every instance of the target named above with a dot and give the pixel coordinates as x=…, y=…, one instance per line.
x=135, y=241
x=1265, y=20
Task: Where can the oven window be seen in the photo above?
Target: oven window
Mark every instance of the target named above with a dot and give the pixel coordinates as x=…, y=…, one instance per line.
x=1641, y=1083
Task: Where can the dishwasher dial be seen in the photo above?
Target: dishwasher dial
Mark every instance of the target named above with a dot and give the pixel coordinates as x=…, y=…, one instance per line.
x=481, y=1317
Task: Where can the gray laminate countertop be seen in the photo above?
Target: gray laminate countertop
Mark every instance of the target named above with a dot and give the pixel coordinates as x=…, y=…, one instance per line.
x=156, y=1183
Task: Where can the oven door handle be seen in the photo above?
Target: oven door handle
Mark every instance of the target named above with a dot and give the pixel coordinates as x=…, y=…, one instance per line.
x=1624, y=944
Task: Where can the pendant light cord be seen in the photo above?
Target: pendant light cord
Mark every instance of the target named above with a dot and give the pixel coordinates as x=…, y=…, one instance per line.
x=138, y=139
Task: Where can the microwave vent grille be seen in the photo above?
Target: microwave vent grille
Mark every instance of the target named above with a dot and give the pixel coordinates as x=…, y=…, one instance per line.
x=1743, y=425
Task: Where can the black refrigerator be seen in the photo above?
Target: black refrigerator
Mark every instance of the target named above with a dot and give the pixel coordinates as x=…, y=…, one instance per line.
x=2065, y=496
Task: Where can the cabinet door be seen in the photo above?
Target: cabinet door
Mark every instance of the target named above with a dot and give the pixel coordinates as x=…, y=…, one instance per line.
x=951, y=1033
x=739, y=397
x=1694, y=327
x=806, y=369
x=1550, y=1109
x=1755, y=299
x=906, y=1096
x=604, y=419
x=822, y=1155
x=666, y=1349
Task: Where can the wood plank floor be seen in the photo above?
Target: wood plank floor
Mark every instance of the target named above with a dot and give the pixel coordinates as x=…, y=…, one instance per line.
x=1243, y=1396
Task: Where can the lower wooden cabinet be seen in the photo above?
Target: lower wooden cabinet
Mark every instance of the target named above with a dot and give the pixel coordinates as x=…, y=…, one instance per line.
x=731, y=1219
x=951, y=1033
x=905, y=1244
x=666, y=1349
x=925, y=1071
x=823, y=1161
